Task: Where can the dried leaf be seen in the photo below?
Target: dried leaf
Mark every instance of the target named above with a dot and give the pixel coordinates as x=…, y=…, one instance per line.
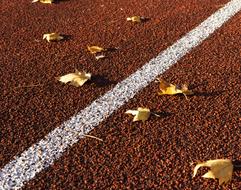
x=141, y=114
x=53, y=37
x=76, y=79
x=97, y=57
x=220, y=168
x=95, y=49
x=170, y=89
x=43, y=1
x=136, y=19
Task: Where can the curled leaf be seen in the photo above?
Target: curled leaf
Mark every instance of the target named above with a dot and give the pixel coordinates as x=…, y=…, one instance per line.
x=170, y=89
x=76, y=79
x=220, y=168
x=43, y=1
x=53, y=37
x=136, y=18
x=95, y=49
x=141, y=114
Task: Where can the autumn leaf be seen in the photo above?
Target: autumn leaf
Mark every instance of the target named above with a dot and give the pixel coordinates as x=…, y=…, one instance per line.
x=136, y=18
x=170, y=89
x=141, y=114
x=53, y=37
x=220, y=168
x=95, y=49
x=76, y=79
x=98, y=57
x=43, y=1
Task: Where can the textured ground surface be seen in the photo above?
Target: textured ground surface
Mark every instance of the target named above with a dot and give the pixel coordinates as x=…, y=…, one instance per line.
x=156, y=154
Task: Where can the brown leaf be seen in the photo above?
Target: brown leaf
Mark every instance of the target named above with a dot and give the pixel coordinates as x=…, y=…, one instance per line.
x=220, y=168
x=76, y=79
x=141, y=114
x=52, y=37
x=136, y=18
x=95, y=49
x=43, y=1
x=170, y=89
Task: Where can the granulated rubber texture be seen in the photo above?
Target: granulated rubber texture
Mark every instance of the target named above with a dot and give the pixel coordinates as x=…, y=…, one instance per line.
x=160, y=153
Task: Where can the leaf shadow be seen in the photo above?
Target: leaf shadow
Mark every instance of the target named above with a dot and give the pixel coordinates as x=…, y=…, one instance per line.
x=192, y=86
x=237, y=167
x=145, y=19
x=207, y=94
x=59, y=1
x=161, y=114
x=111, y=49
x=66, y=37
x=101, y=81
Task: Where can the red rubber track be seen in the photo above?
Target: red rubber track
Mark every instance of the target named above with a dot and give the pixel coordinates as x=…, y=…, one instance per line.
x=156, y=154
x=162, y=152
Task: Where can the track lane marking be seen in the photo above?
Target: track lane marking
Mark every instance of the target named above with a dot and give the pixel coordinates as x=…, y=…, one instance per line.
x=41, y=155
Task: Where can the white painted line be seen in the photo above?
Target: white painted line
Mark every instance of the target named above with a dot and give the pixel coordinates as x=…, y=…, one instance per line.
x=45, y=152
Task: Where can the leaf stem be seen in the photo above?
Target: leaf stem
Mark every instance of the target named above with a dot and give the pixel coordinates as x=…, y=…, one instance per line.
x=90, y=136
x=185, y=95
x=28, y=86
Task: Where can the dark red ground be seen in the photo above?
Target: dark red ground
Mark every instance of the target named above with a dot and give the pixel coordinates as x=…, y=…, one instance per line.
x=156, y=154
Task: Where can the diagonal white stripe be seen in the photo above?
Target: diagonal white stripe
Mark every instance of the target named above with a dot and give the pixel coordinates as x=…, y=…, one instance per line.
x=42, y=154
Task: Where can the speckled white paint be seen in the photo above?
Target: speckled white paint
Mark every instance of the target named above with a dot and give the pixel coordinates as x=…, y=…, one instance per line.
x=41, y=155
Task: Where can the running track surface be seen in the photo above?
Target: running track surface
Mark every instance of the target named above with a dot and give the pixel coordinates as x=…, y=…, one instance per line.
x=155, y=154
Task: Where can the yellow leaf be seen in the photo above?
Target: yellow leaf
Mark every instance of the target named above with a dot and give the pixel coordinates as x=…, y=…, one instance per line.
x=52, y=37
x=141, y=114
x=170, y=89
x=220, y=168
x=95, y=49
x=136, y=19
x=43, y=1
x=76, y=79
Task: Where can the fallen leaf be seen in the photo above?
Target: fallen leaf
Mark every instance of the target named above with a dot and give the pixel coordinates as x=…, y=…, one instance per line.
x=95, y=49
x=53, y=37
x=76, y=79
x=170, y=89
x=43, y=1
x=220, y=168
x=136, y=19
x=141, y=114
x=97, y=57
